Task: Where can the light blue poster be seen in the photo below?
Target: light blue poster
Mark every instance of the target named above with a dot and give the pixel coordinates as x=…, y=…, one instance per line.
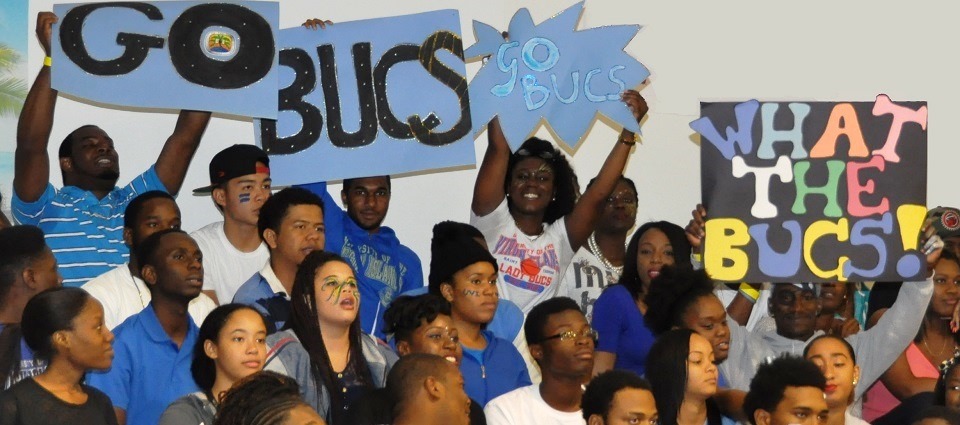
x=372, y=97
x=170, y=54
x=13, y=86
x=553, y=72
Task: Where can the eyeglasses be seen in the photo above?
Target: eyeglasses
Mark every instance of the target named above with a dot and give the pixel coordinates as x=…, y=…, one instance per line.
x=541, y=154
x=627, y=199
x=569, y=335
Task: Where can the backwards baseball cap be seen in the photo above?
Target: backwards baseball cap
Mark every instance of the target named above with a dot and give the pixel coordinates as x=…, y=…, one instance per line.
x=233, y=162
x=946, y=221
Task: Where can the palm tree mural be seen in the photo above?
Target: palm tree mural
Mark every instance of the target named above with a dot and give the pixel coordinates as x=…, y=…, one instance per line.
x=13, y=91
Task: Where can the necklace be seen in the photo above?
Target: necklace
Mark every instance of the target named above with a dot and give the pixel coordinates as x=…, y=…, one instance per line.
x=137, y=287
x=595, y=249
x=532, y=237
x=943, y=347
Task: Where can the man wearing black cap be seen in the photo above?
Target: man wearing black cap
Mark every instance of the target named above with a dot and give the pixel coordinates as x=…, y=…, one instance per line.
x=946, y=221
x=232, y=248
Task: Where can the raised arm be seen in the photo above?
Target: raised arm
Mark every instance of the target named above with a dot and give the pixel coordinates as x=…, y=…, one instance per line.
x=179, y=149
x=741, y=307
x=488, y=191
x=31, y=163
x=580, y=222
x=879, y=347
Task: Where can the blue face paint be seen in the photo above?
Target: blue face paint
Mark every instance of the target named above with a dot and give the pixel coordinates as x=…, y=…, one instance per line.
x=244, y=198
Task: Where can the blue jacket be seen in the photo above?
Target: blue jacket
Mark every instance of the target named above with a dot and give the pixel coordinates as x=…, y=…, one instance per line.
x=275, y=307
x=384, y=266
x=502, y=370
x=286, y=355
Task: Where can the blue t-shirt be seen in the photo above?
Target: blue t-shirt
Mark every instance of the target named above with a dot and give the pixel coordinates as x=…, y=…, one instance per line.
x=384, y=267
x=85, y=233
x=618, y=321
x=29, y=365
x=149, y=371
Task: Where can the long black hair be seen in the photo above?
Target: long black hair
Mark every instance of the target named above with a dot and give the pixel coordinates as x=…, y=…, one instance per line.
x=667, y=373
x=305, y=323
x=565, y=192
x=681, y=254
x=203, y=368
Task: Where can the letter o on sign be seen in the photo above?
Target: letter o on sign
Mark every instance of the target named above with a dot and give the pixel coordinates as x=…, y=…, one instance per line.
x=251, y=63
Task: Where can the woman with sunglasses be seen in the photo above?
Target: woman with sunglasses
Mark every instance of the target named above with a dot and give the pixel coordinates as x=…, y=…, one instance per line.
x=526, y=205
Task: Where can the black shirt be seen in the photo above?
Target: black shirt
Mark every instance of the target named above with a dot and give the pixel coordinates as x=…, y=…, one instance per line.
x=27, y=403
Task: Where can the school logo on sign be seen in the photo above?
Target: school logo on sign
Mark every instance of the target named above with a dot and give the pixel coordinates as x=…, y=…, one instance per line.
x=220, y=43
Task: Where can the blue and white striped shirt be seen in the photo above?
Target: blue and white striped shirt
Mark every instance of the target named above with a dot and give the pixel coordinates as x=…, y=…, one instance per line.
x=85, y=233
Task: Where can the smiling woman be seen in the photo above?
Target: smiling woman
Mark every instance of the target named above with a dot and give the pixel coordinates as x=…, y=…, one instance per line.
x=618, y=313
x=528, y=206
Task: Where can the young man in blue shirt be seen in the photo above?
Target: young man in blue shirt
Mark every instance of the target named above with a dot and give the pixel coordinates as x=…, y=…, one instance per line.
x=154, y=348
x=291, y=223
x=384, y=267
x=83, y=221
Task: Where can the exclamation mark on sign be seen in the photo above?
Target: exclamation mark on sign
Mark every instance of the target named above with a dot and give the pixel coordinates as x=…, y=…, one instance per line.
x=910, y=219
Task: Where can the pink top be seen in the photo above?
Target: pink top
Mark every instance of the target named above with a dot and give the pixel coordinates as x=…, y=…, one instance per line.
x=879, y=400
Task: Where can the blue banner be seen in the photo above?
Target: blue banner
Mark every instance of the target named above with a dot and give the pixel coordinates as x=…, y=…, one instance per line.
x=371, y=97
x=554, y=72
x=218, y=57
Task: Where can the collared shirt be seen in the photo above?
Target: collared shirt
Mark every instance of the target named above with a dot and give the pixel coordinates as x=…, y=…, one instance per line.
x=122, y=295
x=85, y=233
x=264, y=292
x=149, y=370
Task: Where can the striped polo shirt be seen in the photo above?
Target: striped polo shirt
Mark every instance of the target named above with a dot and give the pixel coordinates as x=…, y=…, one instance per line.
x=85, y=233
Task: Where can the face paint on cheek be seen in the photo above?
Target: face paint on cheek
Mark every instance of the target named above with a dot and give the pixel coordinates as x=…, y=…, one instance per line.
x=338, y=291
x=244, y=198
x=471, y=293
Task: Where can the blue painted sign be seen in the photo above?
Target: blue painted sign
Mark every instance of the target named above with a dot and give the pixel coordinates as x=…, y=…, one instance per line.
x=554, y=72
x=371, y=97
x=171, y=54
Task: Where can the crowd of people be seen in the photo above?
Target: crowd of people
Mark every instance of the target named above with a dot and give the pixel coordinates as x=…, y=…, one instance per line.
x=541, y=310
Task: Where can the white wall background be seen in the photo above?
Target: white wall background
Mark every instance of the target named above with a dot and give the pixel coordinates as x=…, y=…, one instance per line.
x=696, y=50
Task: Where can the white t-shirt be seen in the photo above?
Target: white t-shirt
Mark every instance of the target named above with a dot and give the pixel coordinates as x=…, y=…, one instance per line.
x=585, y=279
x=530, y=267
x=524, y=406
x=760, y=313
x=123, y=295
x=225, y=267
